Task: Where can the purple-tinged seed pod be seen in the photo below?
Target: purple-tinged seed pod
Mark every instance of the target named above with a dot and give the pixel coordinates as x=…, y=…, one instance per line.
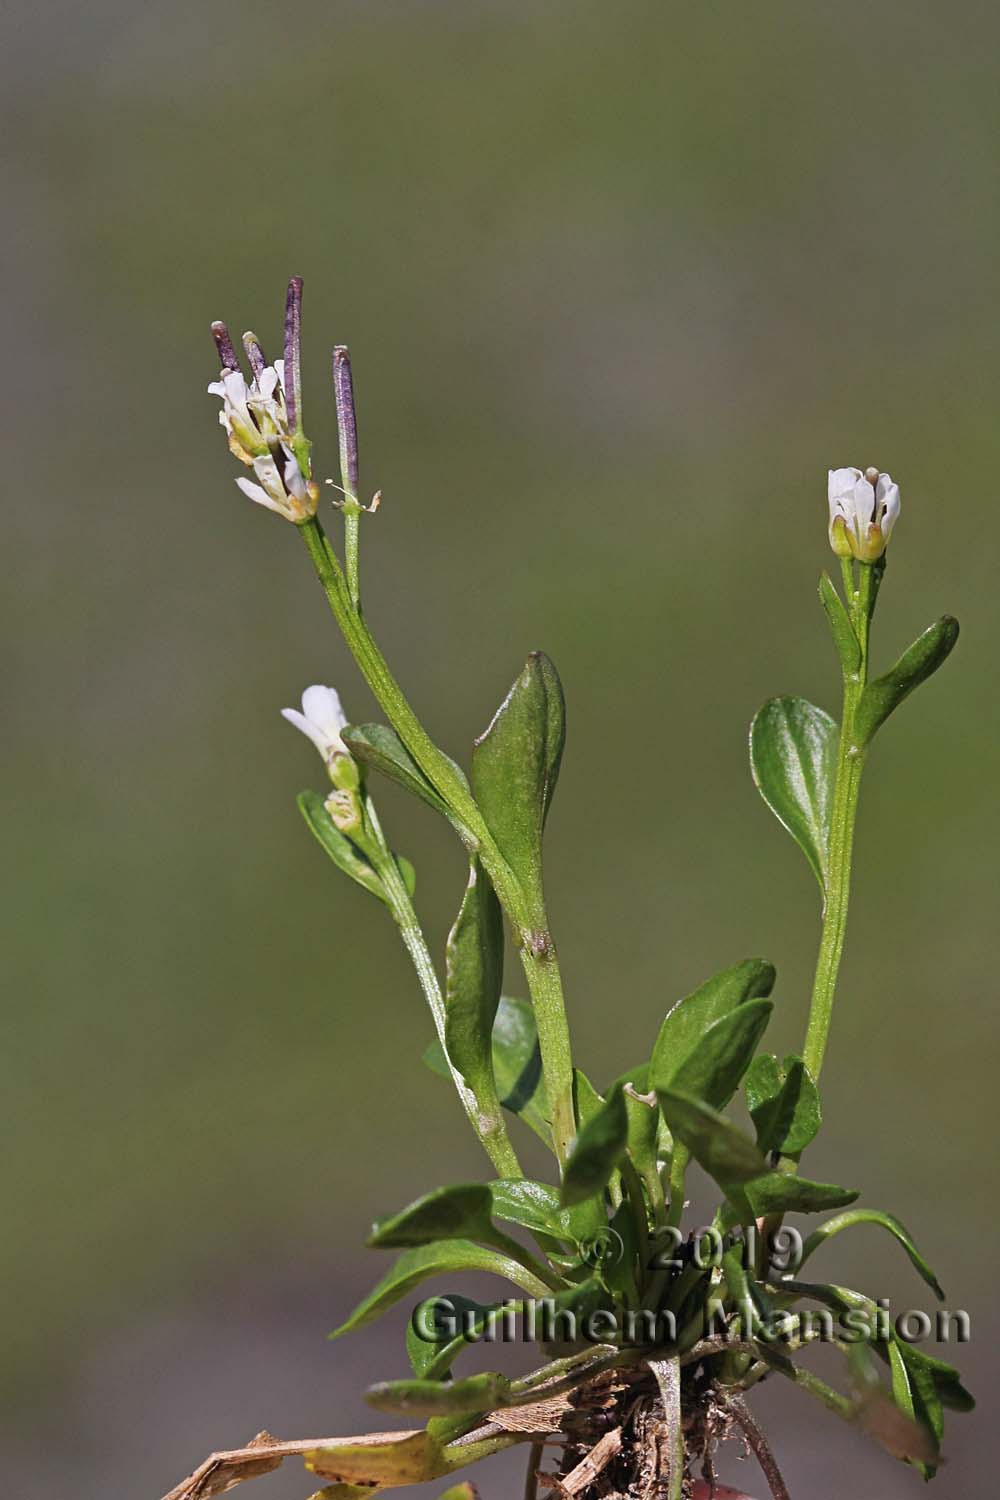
x=293, y=354
x=347, y=424
x=224, y=344
x=255, y=354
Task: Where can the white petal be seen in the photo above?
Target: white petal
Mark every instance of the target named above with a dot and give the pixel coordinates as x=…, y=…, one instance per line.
x=863, y=502
x=267, y=383
x=307, y=727
x=217, y=389
x=322, y=705
x=257, y=494
x=890, y=511
x=267, y=472
x=294, y=482
x=841, y=481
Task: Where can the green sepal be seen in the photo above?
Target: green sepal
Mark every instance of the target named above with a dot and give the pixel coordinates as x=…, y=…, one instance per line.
x=793, y=757
x=726, y=1154
x=439, y=1257
x=784, y=1104
x=515, y=765
x=687, y=1022
x=884, y=1221
x=473, y=977
x=844, y=638
x=340, y=849
x=596, y=1151
x=920, y=661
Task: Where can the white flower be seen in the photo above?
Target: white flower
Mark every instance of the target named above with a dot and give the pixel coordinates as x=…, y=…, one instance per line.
x=863, y=511
x=322, y=718
x=255, y=417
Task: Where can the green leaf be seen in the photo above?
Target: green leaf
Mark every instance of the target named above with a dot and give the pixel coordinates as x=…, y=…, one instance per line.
x=461, y=1212
x=885, y=1221
x=712, y=1071
x=340, y=849
x=945, y=1378
x=920, y=661
x=464, y=1490
x=687, y=1022
x=454, y=1323
x=793, y=756
x=844, y=638
x=783, y=1102
x=643, y=1119
x=914, y=1404
x=439, y=1257
x=380, y=747
x=780, y=1193
x=435, y=1398
x=726, y=1154
x=408, y=873
x=596, y=1151
x=533, y=1205
x=515, y=764
x=517, y=1065
x=474, y=973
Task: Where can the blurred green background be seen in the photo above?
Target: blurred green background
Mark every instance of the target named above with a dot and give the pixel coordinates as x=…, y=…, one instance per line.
x=621, y=282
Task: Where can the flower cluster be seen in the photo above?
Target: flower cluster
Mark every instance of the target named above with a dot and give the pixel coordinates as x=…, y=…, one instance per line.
x=262, y=422
x=863, y=511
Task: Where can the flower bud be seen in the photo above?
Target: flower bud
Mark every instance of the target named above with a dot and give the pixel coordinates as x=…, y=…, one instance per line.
x=345, y=812
x=863, y=511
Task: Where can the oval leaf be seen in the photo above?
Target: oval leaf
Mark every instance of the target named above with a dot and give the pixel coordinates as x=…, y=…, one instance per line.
x=783, y=1102
x=337, y=846
x=436, y=1398
x=380, y=747
x=515, y=765
x=881, y=697
x=461, y=1212
x=596, y=1151
x=726, y=1154
x=781, y=1193
x=687, y=1022
x=712, y=1071
x=474, y=973
x=793, y=756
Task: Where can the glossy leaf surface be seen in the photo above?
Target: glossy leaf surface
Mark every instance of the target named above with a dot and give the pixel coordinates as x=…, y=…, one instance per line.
x=473, y=976
x=783, y=1102
x=779, y=1192
x=596, y=1151
x=793, y=756
x=882, y=696
x=844, y=638
x=517, y=1064
x=687, y=1022
x=726, y=1154
x=340, y=849
x=713, y=1069
x=515, y=765
x=460, y=1212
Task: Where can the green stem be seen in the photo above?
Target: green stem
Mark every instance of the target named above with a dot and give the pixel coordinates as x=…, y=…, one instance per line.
x=352, y=545
x=492, y=1132
x=850, y=764
x=535, y=945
